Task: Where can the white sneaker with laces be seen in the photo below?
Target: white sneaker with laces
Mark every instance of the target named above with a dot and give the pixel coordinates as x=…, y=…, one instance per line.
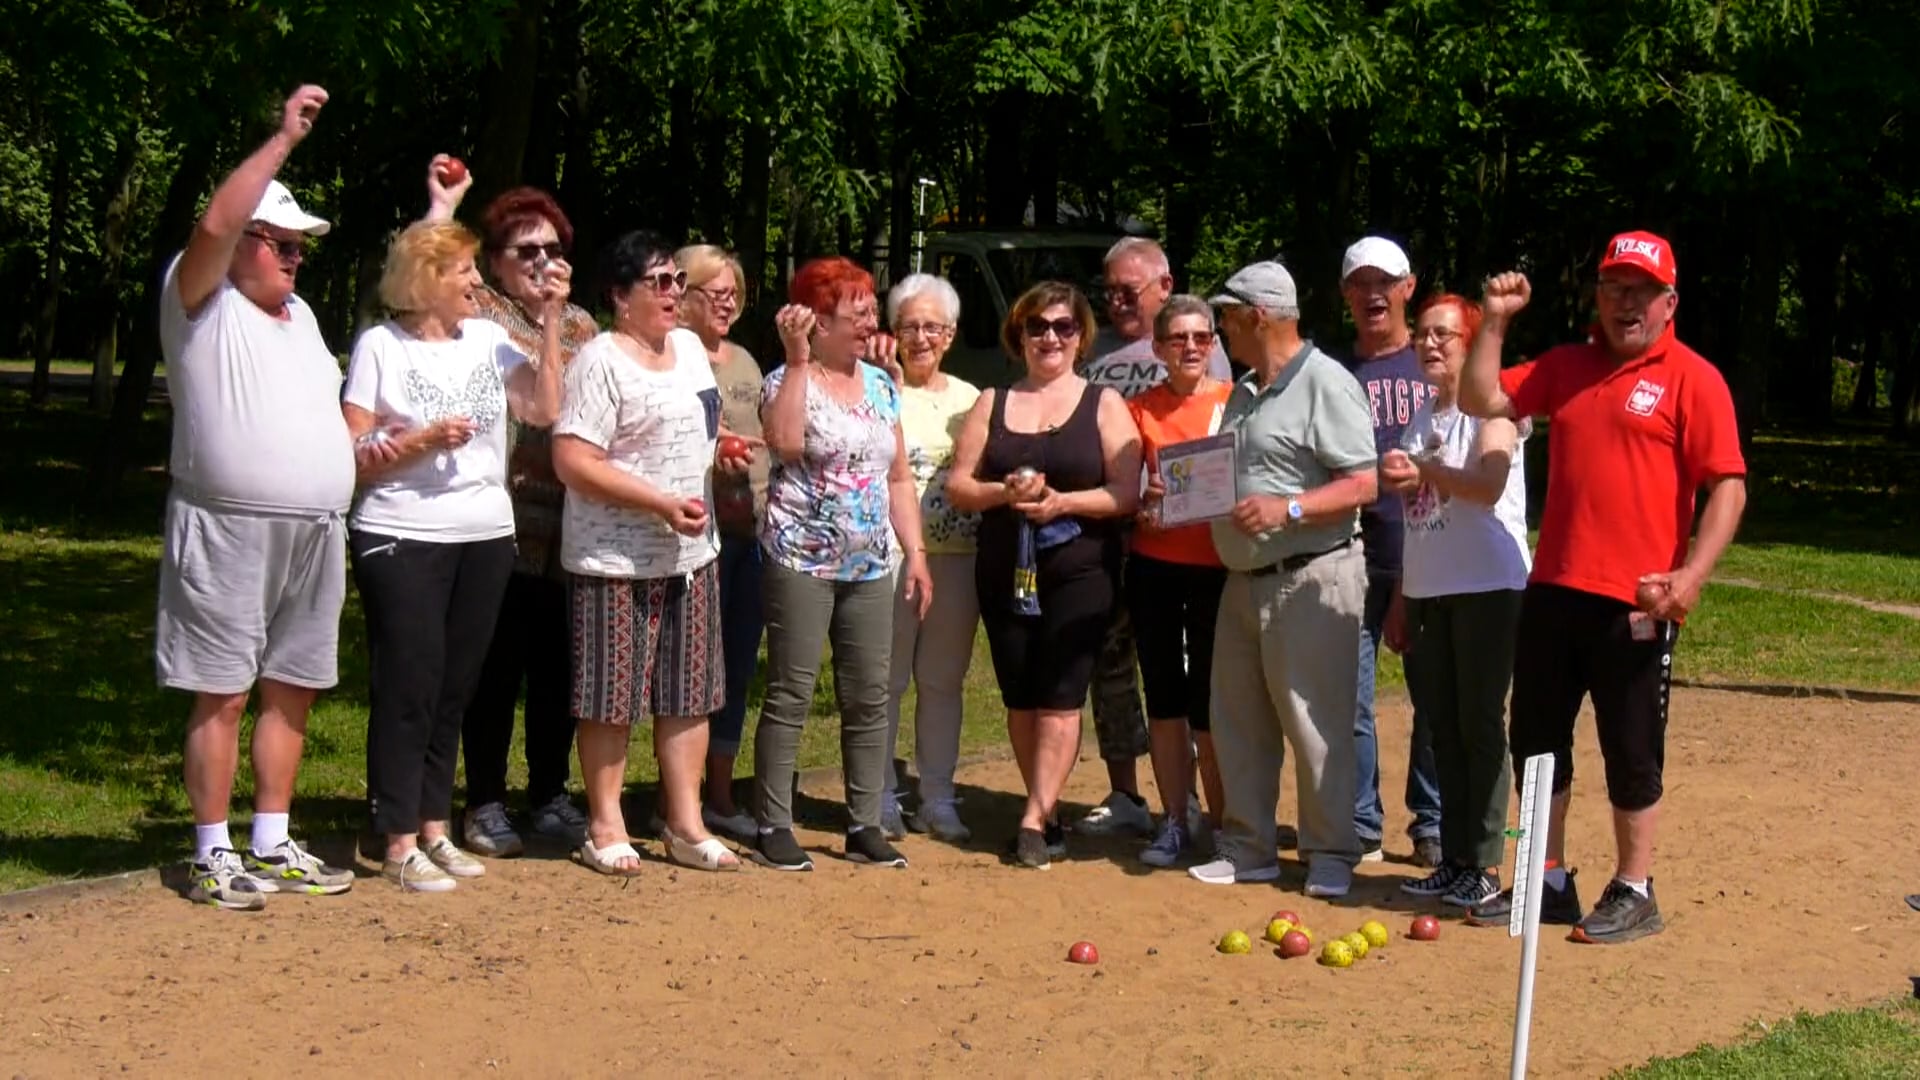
x=942, y=819
x=1119, y=813
x=417, y=873
x=443, y=854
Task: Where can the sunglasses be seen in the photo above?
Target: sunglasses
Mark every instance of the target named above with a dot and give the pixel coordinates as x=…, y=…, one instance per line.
x=1200, y=338
x=530, y=252
x=664, y=281
x=285, y=249
x=1063, y=328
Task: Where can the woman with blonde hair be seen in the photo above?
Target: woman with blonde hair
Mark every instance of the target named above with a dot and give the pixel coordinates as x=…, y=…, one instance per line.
x=709, y=308
x=431, y=536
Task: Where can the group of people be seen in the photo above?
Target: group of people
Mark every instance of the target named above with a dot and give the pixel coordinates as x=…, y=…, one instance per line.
x=617, y=518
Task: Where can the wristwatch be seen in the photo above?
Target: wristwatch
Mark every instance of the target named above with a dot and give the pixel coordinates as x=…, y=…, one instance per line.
x=1294, y=511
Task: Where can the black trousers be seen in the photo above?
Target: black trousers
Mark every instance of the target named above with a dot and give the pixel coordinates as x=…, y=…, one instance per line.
x=430, y=612
x=530, y=643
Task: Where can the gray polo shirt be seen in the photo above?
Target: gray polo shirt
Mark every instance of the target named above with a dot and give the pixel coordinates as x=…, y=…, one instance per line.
x=1310, y=425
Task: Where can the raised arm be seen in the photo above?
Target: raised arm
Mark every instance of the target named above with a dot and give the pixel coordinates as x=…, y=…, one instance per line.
x=1480, y=392
x=785, y=417
x=534, y=391
x=210, y=251
x=444, y=198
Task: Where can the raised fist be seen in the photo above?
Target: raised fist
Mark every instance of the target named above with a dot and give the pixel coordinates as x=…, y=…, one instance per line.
x=1506, y=294
x=297, y=115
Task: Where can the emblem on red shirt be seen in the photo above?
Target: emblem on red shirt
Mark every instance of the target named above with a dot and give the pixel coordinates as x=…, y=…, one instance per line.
x=1645, y=398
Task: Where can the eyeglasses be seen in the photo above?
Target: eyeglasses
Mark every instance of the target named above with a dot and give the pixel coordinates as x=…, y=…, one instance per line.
x=925, y=329
x=1635, y=292
x=530, y=252
x=665, y=281
x=1200, y=338
x=287, y=250
x=722, y=297
x=1438, y=335
x=1063, y=328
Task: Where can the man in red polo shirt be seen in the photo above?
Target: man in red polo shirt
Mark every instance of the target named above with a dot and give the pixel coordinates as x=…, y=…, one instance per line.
x=1639, y=423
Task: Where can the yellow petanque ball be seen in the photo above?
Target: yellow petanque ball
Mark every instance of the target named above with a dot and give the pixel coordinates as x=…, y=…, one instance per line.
x=1236, y=942
x=1337, y=954
x=1277, y=929
x=1375, y=934
x=1357, y=942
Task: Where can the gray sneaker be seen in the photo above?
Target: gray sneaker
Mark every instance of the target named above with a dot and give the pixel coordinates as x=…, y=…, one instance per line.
x=1169, y=847
x=1119, y=813
x=222, y=881
x=290, y=868
x=489, y=833
x=893, y=821
x=560, y=820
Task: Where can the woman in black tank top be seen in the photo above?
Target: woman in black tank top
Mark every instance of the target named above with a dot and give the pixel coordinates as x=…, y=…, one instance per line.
x=1058, y=525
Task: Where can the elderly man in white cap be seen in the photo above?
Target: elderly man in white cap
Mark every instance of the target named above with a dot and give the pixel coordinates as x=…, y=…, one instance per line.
x=253, y=567
x=1283, y=657
x=1377, y=281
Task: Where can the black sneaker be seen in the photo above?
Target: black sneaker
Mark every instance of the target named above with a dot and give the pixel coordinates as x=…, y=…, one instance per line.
x=1622, y=915
x=1438, y=883
x=1471, y=887
x=1030, y=849
x=778, y=850
x=869, y=846
x=1426, y=851
x=1056, y=837
x=1558, y=907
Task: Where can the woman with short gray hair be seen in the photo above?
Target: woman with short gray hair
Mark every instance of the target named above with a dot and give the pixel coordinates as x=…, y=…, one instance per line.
x=933, y=652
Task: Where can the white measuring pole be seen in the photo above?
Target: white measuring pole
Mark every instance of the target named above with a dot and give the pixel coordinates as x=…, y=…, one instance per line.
x=1529, y=864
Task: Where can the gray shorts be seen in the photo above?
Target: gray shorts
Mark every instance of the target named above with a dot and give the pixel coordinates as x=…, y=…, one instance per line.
x=246, y=596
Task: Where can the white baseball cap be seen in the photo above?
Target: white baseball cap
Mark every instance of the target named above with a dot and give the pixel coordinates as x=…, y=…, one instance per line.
x=278, y=209
x=1378, y=252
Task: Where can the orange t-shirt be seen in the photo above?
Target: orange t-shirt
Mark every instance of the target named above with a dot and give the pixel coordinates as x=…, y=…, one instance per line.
x=1165, y=418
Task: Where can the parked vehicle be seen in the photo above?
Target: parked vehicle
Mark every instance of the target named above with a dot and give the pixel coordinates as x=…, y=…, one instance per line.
x=990, y=269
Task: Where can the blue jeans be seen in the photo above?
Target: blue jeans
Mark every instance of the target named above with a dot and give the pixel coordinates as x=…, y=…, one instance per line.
x=1423, y=777
x=741, y=620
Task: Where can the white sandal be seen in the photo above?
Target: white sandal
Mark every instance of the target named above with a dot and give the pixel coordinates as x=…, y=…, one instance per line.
x=708, y=854
x=607, y=859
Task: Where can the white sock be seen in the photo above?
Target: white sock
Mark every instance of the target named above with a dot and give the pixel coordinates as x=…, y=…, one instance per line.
x=269, y=832
x=1556, y=878
x=1637, y=886
x=208, y=837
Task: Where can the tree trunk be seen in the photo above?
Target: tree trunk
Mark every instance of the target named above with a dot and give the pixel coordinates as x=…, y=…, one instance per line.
x=673, y=208
x=750, y=217
x=1006, y=179
x=1820, y=258
x=48, y=323
x=1759, y=308
x=508, y=106
x=136, y=375
x=903, y=188
x=1043, y=129
x=1906, y=388
x=579, y=192
x=1189, y=140
x=113, y=246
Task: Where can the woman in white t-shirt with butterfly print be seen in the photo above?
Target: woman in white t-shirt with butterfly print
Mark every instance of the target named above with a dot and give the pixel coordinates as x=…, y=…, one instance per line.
x=635, y=448
x=431, y=535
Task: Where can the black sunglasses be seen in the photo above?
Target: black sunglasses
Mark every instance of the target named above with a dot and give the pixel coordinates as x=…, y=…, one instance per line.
x=530, y=252
x=285, y=249
x=1063, y=328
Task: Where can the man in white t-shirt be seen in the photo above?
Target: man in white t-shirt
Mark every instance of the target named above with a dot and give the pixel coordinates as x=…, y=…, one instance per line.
x=253, y=567
x=1138, y=282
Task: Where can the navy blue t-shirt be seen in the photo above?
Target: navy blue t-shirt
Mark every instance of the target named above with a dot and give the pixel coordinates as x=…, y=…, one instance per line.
x=1395, y=387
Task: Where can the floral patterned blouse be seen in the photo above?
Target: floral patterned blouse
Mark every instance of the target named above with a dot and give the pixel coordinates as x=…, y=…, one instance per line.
x=828, y=513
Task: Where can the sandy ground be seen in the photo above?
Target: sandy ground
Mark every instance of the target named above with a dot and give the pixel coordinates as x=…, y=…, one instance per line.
x=1786, y=852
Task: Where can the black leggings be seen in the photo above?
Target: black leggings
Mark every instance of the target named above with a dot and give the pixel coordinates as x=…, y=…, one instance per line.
x=430, y=613
x=532, y=640
x=1174, y=607
x=1045, y=661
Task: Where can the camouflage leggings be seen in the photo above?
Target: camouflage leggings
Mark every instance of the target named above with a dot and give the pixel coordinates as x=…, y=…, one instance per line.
x=1119, y=721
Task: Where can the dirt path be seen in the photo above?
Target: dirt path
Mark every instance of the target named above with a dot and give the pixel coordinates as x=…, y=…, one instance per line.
x=1784, y=862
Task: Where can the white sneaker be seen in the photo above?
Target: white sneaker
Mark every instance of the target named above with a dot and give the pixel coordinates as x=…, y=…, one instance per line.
x=942, y=819
x=455, y=862
x=1328, y=878
x=416, y=873
x=1119, y=813
x=1224, y=872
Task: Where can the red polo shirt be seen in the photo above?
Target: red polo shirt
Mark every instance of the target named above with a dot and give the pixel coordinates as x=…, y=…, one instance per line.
x=1630, y=444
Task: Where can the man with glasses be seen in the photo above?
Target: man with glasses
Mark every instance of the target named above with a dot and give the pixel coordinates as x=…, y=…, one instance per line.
x=1138, y=282
x=253, y=568
x=1377, y=282
x=1283, y=657
x=1639, y=424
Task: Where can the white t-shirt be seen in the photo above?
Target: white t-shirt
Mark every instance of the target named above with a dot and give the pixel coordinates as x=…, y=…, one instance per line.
x=256, y=406
x=1454, y=546
x=657, y=426
x=443, y=496
x=1131, y=367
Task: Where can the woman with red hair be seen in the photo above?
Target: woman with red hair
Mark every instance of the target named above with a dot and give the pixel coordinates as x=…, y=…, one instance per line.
x=843, y=517
x=525, y=238
x=1458, y=605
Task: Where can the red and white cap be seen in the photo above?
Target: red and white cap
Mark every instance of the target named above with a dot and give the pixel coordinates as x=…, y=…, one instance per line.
x=1644, y=251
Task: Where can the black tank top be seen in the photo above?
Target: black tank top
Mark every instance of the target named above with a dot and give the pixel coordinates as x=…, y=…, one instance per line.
x=1070, y=455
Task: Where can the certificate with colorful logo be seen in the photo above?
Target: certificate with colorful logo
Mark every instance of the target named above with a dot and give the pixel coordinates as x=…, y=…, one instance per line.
x=1199, y=478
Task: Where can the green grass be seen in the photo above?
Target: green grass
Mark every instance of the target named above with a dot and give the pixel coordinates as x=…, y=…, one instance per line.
x=1863, y=1044
x=1892, y=579
x=1755, y=636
